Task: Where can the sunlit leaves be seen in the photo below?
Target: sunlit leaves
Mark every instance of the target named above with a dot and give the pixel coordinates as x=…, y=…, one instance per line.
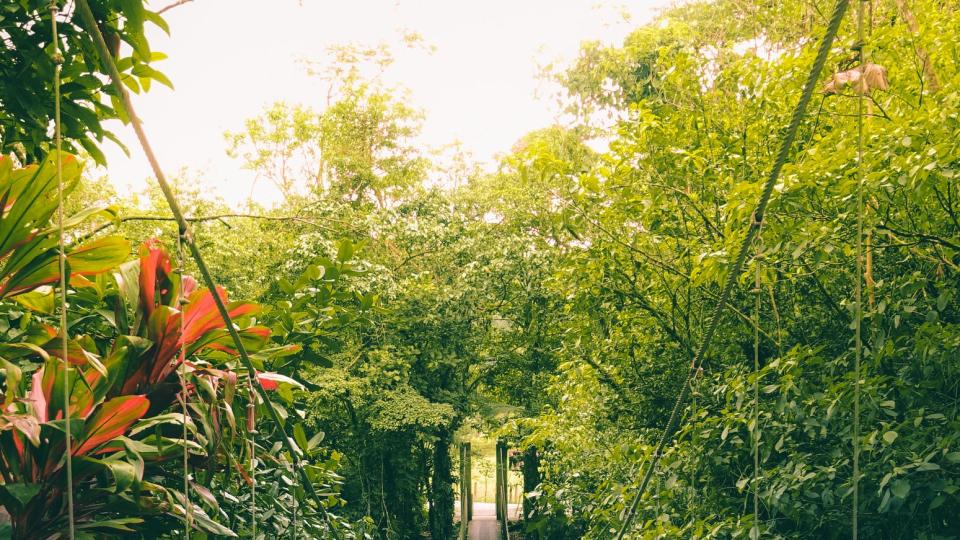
x=87, y=99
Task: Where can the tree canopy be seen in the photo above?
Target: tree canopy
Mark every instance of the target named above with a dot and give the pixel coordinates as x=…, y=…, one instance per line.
x=394, y=308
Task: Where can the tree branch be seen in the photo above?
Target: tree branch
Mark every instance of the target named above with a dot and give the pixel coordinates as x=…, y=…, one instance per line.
x=220, y=217
x=928, y=70
x=173, y=5
x=199, y=219
x=921, y=236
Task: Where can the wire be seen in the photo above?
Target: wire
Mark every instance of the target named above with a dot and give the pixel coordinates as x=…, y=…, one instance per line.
x=62, y=259
x=182, y=372
x=293, y=489
x=755, y=531
x=251, y=428
x=782, y=157
x=858, y=288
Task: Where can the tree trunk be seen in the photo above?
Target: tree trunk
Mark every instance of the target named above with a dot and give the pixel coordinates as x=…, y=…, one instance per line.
x=929, y=73
x=441, y=489
x=531, y=479
x=469, y=480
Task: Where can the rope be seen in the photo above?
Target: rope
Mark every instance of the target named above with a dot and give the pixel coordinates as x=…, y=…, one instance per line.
x=755, y=531
x=62, y=256
x=695, y=392
x=182, y=372
x=782, y=157
x=293, y=522
x=251, y=429
x=90, y=24
x=858, y=288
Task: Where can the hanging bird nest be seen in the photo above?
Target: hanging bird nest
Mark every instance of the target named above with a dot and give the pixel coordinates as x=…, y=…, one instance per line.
x=863, y=80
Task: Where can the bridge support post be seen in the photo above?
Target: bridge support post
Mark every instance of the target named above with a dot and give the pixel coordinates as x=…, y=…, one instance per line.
x=464, y=493
x=498, y=479
x=469, y=479
x=503, y=508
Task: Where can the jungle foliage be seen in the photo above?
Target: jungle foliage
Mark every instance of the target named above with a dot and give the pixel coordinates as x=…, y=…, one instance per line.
x=555, y=301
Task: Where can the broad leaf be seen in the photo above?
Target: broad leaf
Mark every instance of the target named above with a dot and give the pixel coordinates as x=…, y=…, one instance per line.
x=111, y=420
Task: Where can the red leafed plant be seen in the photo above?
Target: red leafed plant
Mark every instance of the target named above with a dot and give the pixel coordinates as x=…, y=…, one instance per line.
x=168, y=327
x=33, y=420
x=120, y=387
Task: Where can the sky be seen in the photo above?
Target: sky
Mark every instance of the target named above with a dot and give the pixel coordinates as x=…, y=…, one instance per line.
x=229, y=59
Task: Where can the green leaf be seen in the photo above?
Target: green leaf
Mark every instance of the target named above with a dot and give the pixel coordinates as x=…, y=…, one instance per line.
x=161, y=24
x=590, y=183
x=135, y=14
x=22, y=493
x=890, y=436
x=124, y=474
x=168, y=418
x=89, y=259
x=146, y=73
x=94, y=151
x=203, y=522
x=316, y=359
x=286, y=286
x=41, y=300
x=12, y=377
x=315, y=441
x=99, y=256
x=344, y=250
x=900, y=488
x=116, y=524
x=314, y=272
x=885, y=502
x=300, y=436
x=27, y=196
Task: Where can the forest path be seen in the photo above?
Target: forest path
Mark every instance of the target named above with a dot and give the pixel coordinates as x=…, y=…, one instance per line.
x=484, y=525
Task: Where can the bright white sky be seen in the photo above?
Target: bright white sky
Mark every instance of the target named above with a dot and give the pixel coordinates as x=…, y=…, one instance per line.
x=228, y=59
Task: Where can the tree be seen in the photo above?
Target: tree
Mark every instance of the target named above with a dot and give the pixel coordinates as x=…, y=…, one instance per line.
x=282, y=145
x=358, y=148
x=659, y=217
x=26, y=90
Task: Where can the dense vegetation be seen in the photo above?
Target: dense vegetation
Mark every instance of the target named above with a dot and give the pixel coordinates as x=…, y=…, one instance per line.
x=555, y=302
